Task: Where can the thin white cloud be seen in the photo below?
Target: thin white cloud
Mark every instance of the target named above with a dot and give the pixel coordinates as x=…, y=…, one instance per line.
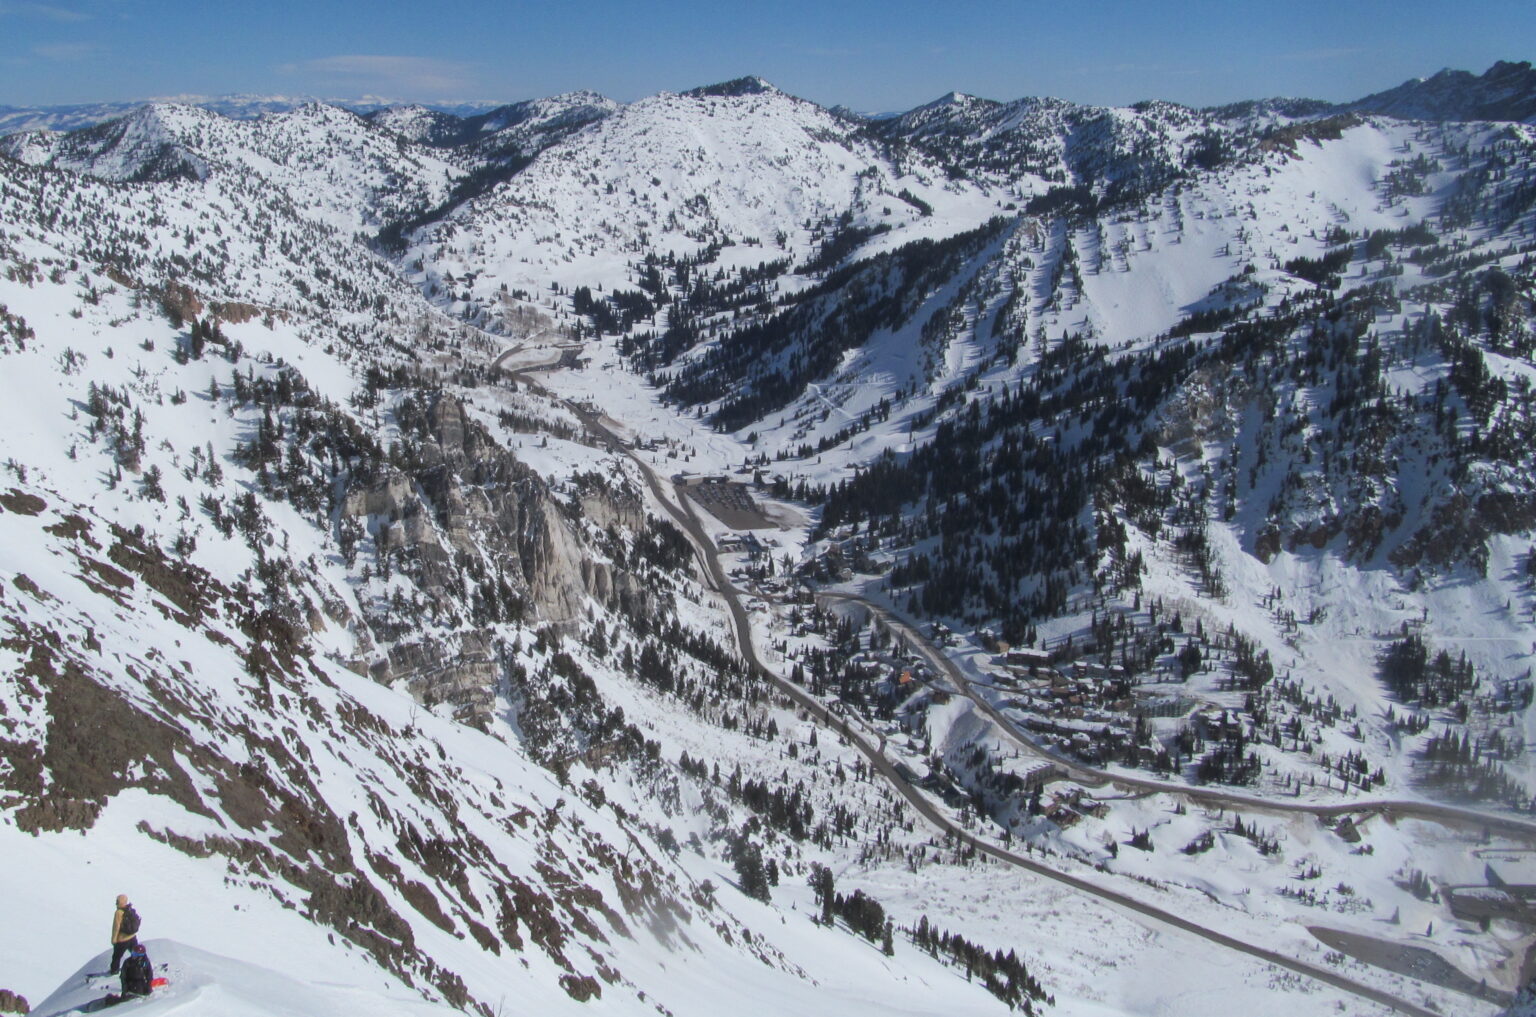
x=397, y=75
x=65, y=51
x=49, y=11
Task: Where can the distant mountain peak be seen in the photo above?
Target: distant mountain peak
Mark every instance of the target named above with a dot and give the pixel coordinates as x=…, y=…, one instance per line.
x=951, y=101
x=14, y=119
x=1281, y=107
x=1506, y=91
x=581, y=96
x=749, y=85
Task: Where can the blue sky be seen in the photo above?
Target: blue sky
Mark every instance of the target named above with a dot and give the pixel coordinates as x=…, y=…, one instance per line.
x=869, y=55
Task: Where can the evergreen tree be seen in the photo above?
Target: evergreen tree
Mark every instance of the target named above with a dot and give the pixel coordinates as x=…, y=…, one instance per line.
x=751, y=875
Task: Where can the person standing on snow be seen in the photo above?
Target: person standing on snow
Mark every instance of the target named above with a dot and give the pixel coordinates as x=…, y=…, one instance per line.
x=125, y=931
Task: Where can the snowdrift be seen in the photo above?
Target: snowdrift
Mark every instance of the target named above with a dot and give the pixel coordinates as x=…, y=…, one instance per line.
x=201, y=983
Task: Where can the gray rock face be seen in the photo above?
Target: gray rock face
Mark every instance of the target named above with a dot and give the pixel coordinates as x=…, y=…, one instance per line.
x=469, y=513
x=462, y=671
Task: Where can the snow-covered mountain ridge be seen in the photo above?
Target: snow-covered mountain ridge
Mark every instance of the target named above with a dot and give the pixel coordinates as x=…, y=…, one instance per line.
x=356, y=656
x=1506, y=91
x=14, y=119
x=334, y=165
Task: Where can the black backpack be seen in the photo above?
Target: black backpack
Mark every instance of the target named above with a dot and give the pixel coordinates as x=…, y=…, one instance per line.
x=138, y=975
x=130, y=923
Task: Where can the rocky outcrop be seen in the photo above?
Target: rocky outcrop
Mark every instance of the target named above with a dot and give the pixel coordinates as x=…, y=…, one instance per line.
x=468, y=513
x=462, y=671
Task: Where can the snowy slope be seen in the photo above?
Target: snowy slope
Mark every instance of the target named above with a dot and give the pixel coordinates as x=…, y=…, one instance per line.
x=431, y=698
x=203, y=982
x=680, y=173
x=1033, y=145
x=334, y=165
x=523, y=128
x=263, y=801
x=188, y=698
x=1224, y=247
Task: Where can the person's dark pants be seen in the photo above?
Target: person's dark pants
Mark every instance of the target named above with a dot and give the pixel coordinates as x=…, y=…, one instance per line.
x=118, y=949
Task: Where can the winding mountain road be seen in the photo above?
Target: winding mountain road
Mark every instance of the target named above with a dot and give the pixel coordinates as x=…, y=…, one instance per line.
x=1447, y=815
x=683, y=513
